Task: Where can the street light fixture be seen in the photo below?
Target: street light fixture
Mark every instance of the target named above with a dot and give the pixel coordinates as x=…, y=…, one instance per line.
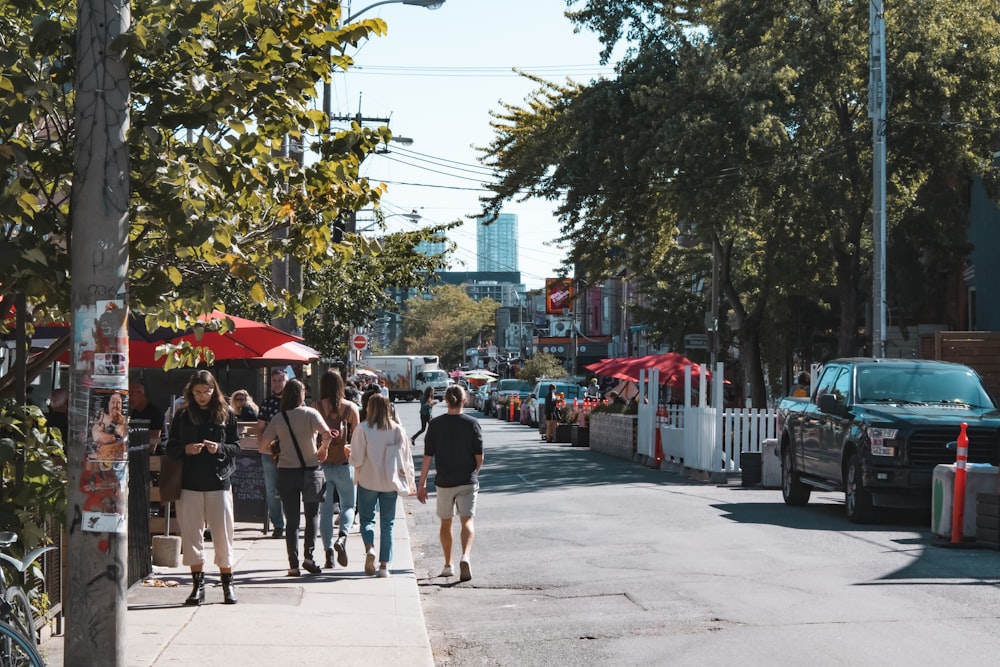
x=429, y=4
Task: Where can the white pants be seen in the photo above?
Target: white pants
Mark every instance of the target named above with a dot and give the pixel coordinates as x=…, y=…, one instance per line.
x=194, y=509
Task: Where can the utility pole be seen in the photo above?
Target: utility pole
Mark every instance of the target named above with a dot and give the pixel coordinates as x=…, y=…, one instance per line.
x=97, y=447
x=877, y=112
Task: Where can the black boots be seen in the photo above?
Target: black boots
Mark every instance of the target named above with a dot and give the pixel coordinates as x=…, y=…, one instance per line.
x=198, y=592
x=228, y=592
x=329, y=559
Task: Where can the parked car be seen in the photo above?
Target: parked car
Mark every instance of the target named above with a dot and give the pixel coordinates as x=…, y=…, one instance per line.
x=566, y=387
x=479, y=397
x=482, y=395
x=505, y=389
x=876, y=429
x=529, y=410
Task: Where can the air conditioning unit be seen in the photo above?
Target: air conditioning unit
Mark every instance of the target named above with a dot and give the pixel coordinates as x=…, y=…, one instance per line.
x=560, y=328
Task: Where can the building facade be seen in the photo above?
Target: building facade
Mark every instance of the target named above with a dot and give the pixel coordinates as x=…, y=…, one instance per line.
x=496, y=244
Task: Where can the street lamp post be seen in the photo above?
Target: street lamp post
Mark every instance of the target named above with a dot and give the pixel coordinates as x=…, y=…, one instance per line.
x=328, y=85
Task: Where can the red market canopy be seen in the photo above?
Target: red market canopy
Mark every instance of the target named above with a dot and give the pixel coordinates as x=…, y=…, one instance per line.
x=670, y=365
x=249, y=340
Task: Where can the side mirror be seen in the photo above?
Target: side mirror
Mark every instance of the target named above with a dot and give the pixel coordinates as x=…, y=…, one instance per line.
x=827, y=403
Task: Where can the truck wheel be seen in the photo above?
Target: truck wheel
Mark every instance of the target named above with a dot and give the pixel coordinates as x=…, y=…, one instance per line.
x=793, y=490
x=858, y=499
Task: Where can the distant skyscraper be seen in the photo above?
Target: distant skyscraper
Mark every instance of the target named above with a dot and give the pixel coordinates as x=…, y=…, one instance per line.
x=430, y=248
x=496, y=244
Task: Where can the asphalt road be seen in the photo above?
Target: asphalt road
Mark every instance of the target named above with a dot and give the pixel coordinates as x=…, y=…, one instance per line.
x=581, y=558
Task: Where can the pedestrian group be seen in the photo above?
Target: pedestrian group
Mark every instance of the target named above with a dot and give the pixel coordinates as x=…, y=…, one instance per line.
x=331, y=457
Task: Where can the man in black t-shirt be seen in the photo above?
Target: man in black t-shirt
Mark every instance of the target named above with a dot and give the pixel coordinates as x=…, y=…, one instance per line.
x=454, y=441
x=139, y=407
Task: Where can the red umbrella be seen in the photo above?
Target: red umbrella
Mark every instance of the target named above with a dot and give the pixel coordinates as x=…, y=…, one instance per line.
x=247, y=340
x=671, y=366
x=291, y=352
x=610, y=366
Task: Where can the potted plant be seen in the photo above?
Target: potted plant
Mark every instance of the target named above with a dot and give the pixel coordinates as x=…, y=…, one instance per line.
x=503, y=407
x=564, y=429
x=580, y=431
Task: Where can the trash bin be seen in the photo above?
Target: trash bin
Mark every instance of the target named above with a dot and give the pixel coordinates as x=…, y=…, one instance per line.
x=750, y=465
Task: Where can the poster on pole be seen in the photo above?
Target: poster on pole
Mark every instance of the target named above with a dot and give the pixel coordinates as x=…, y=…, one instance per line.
x=103, y=486
x=108, y=425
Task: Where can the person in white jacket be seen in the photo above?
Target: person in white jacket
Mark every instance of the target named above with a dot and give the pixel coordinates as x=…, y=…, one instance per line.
x=383, y=468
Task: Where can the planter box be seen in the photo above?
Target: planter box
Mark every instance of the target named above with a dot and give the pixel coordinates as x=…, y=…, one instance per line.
x=563, y=432
x=614, y=435
x=580, y=436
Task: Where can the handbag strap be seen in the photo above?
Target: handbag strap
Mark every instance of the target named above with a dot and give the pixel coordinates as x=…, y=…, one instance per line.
x=295, y=441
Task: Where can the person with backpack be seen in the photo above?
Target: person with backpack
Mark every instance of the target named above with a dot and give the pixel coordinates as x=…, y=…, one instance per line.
x=341, y=414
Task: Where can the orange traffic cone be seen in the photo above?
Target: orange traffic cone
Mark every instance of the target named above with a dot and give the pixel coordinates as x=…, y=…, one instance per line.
x=658, y=451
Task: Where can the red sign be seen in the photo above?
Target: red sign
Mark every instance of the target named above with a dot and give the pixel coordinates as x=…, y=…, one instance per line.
x=359, y=342
x=558, y=296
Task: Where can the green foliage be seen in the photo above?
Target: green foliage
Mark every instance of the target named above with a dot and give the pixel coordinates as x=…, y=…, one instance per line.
x=443, y=322
x=37, y=499
x=222, y=103
x=539, y=366
x=356, y=291
x=738, y=130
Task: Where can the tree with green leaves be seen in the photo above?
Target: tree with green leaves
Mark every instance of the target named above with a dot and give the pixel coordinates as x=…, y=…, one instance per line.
x=222, y=107
x=443, y=321
x=355, y=292
x=541, y=365
x=737, y=131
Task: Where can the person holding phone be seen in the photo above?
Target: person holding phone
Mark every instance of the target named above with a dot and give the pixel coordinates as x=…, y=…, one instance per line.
x=205, y=438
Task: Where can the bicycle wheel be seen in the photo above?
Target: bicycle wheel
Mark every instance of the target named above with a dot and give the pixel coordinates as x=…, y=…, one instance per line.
x=23, y=618
x=17, y=650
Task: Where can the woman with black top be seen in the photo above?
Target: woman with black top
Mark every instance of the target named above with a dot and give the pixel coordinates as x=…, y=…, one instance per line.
x=551, y=413
x=300, y=478
x=426, y=403
x=204, y=437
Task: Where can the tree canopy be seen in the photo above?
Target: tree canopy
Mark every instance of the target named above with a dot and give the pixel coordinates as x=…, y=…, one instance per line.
x=444, y=321
x=736, y=131
x=222, y=110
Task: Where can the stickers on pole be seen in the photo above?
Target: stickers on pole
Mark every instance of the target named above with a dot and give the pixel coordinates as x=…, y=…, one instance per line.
x=103, y=486
x=100, y=354
x=101, y=343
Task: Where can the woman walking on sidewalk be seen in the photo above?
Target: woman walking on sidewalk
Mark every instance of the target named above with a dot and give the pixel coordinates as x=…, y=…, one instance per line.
x=342, y=415
x=426, y=403
x=300, y=479
x=204, y=437
x=383, y=466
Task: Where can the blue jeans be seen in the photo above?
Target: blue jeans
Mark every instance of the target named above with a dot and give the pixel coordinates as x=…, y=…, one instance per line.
x=339, y=476
x=271, y=492
x=385, y=502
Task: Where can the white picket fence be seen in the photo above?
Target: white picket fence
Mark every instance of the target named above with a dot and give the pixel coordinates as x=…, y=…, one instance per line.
x=700, y=437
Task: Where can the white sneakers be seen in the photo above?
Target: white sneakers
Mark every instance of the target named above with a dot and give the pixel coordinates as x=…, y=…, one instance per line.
x=370, y=563
x=465, y=569
x=383, y=572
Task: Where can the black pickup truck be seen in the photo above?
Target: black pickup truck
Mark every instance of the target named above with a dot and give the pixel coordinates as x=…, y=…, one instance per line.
x=876, y=428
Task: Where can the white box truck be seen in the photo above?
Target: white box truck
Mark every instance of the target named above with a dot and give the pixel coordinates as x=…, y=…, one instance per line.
x=408, y=375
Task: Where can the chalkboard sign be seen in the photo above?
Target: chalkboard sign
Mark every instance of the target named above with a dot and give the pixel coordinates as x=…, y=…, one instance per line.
x=248, y=488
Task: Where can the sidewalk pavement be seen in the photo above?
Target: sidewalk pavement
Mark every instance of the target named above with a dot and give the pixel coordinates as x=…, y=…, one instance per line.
x=340, y=616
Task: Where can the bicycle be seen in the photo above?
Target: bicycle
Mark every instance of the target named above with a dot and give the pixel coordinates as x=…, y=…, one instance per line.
x=17, y=620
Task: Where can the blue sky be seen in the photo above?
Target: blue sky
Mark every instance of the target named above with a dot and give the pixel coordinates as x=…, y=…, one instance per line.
x=437, y=75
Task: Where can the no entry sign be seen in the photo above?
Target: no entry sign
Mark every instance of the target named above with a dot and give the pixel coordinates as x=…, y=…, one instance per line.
x=359, y=342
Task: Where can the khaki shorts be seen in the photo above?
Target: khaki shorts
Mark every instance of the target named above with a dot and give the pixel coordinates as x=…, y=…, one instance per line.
x=459, y=500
